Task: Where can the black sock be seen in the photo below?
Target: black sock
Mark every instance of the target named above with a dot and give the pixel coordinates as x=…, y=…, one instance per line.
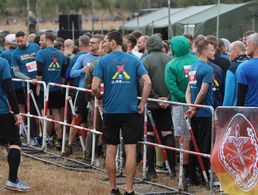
x=131, y=193
x=186, y=171
x=14, y=158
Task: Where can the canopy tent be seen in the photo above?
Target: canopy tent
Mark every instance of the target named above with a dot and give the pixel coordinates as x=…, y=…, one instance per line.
x=234, y=20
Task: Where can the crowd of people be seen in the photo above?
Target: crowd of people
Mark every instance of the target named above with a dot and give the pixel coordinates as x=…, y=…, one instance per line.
x=203, y=70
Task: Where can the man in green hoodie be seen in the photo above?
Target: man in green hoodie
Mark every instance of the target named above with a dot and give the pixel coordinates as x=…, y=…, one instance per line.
x=176, y=81
x=155, y=64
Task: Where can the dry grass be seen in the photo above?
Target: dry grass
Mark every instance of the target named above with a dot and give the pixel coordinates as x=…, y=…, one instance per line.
x=51, y=180
x=54, y=26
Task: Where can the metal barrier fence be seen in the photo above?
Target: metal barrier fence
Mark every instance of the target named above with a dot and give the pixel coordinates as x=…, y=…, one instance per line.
x=95, y=132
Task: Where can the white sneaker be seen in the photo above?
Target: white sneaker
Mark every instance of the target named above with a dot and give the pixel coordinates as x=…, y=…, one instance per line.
x=20, y=186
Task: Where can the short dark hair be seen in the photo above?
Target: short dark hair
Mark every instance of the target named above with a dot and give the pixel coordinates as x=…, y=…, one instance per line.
x=132, y=39
x=137, y=34
x=84, y=40
x=98, y=36
x=189, y=36
x=248, y=32
x=50, y=36
x=60, y=39
x=116, y=36
x=214, y=41
x=59, y=45
x=202, y=46
x=20, y=34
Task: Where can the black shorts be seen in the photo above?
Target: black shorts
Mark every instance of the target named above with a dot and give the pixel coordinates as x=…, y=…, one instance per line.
x=162, y=119
x=55, y=100
x=9, y=132
x=130, y=124
x=20, y=95
x=80, y=106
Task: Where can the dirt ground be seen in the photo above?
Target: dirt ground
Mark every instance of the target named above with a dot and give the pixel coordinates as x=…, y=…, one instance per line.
x=51, y=180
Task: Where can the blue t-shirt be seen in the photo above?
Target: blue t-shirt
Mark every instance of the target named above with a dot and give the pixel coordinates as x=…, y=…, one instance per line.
x=25, y=58
x=120, y=72
x=248, y=75
x=53, y=61
x=8, y=56
x=78, y=68
x=73, y=81
x=4, y=74
x=200, y=72
x=218, y=84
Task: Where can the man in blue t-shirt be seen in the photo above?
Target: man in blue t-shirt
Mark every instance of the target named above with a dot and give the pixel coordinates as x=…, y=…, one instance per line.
x=24, y=67
x=24, y=58
x=120, y=72
x=9, y=134
x=51, y=67
x=199, y=91
x=84, y=49
x=248, y=74
x=237, y=56
x=78, y=71
x=10, y=46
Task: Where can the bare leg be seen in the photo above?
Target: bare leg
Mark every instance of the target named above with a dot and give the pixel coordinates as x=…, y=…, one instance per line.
x=186, y=147
x=130, y=166
x=111, y=164
x=58, y=127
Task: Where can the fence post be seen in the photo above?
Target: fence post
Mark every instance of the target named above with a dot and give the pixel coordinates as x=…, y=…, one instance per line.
x=145, y=145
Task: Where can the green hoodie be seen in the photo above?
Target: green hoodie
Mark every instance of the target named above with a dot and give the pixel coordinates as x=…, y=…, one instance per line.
x=175, y=77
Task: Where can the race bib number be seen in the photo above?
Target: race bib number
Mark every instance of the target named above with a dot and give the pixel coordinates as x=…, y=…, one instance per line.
x=31, y=66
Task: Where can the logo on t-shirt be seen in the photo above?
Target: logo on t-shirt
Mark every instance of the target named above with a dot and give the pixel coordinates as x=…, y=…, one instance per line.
x=186, y=70
x=54, y=65
x=28, y=56
x=121, y=75
x=215, y=83
x=192, y=77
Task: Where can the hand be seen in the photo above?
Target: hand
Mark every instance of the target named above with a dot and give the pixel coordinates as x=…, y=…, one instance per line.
x=38, y=90
x=100, y=105
x=87, y=68
x=191, y=112
x=141, y=108
x=34, y=81
x=163, y=105
x=18, y=119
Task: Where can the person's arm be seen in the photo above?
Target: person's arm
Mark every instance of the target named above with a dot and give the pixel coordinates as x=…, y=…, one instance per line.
x=10, y=94
x=188, y=95
x=19, y=74
x=95, y=87
x=242, y=85
x=16, y=68
x=191, y=110
x=241, y=94
x=202, y=93
x=63, y=71
x=230, y=89
x=145, y=92
x=78, y=69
